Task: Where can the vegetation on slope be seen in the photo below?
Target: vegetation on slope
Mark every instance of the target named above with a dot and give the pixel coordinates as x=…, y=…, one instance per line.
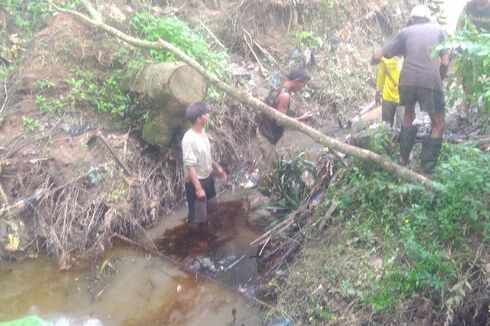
x=392, y=242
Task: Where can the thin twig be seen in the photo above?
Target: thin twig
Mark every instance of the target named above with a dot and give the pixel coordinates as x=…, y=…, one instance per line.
x=213, y=36
x=250, y=46
x=26, y=201
x=4, y=89
x=3, y=196
x=267, y=53
x=276, y=229
x=113, y=153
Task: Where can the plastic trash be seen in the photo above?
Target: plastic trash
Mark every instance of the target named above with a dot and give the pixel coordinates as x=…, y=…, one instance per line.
x=282, y=322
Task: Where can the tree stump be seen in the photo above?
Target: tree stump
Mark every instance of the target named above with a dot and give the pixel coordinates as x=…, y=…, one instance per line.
x=168, y=88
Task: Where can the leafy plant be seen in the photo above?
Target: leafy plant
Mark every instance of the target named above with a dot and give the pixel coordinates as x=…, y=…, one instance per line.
x=110, y=98
x=306, y=40
x=329, y=3
x=416, y=225
x=81, y=82
x=381, y=142
x=46, y=106
x=30, y=124
x=289, y=181
x=471, y=58
x=117, y=194
x=105, y=97
x=178, y=33
x=43, y=84
x=28, y=15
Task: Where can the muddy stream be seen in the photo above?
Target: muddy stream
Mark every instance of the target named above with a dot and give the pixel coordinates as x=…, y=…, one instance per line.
x=129, y=287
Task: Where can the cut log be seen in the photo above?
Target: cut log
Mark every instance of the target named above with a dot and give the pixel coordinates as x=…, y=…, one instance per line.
x=168, y=88
x=162, y=125
x=164, y=91
x=168, y=81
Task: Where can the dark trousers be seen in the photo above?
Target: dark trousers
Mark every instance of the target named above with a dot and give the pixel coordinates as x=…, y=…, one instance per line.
x=198, y=210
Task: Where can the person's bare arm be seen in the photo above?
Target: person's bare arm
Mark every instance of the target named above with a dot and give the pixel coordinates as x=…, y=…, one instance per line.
x=283, y=107
x=305, y=117
x=393, y=48
x=219, y=171
x=283, y=102
x=191, y=171
x=376, y=58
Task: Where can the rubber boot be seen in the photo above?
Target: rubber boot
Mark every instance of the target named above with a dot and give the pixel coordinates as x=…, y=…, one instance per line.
x=407, y=139
x=431, y=147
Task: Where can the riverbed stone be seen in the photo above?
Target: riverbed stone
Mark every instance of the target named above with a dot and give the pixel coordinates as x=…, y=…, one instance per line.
x=259, y=219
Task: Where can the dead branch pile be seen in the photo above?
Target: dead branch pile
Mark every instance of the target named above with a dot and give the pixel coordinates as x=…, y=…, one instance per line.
x=67, y=210
x=278, y=246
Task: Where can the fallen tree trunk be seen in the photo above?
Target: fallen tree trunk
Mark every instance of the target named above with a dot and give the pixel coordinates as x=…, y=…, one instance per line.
x=245, y=98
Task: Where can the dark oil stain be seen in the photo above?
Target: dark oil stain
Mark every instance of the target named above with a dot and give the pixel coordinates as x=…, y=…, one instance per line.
x=187, y=241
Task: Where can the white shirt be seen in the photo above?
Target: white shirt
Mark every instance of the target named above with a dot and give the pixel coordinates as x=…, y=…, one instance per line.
x=196, y=152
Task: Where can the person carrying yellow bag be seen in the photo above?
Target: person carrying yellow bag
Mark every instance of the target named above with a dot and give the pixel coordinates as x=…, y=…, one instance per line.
x=387, y=89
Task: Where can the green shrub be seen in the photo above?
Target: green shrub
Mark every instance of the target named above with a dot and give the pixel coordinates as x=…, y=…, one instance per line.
x=306, y=40
x=471, y=59
x=105, y=96
x=178, y=33
x=28, y=14
x=30, y=125
x=419, y=232
x=46, y=106
x=289, y=183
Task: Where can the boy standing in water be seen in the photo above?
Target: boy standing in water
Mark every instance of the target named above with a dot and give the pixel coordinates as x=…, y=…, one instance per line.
x=199, y=166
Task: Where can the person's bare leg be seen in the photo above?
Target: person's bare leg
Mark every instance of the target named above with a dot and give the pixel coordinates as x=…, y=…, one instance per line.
x=409, y=116
x=438, y=124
